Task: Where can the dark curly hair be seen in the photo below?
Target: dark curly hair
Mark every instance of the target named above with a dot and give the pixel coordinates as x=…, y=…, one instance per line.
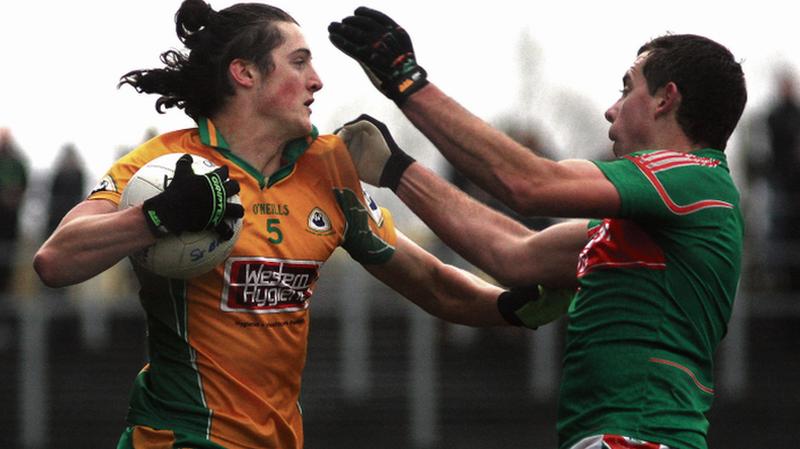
x=710, y=80
x=198, y=82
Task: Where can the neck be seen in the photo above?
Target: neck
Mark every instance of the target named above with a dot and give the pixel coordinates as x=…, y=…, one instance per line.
x=255, y=142
x=670, y=136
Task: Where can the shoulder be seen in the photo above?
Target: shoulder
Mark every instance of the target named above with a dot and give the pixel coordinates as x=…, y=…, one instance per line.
x=327, y=144
x=673, y=183
x=330, y=153
x=660, y=165
x=117, y=176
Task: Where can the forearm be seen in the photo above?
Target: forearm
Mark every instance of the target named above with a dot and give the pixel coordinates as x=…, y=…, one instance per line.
x=480, y=234
x=460, y=297
x=87, y=243
x=442, y=290
x=486, y=156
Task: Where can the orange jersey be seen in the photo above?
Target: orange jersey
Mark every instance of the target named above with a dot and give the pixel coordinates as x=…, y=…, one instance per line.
x=227, y=348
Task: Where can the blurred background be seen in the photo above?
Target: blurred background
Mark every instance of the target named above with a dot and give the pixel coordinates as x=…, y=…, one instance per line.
x=380, y=373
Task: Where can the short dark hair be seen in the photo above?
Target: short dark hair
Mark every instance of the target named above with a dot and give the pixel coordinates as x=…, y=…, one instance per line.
x=710, y=80
x=198, y=82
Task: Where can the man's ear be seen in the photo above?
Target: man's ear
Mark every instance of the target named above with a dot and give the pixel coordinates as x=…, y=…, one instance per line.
x=668, y=99
x=242, y=73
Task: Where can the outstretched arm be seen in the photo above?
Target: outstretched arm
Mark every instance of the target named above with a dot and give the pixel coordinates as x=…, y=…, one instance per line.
x=502, y=247
x=458, y=296
x=528, y=184
x=442, y=290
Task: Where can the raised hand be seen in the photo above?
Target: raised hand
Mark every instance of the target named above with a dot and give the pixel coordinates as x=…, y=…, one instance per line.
x=384, y=50
x=377, y=157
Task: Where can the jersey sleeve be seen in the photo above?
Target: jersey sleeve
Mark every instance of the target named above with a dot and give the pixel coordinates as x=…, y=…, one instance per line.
x=370, y=235
x=668, y=186
x=112, y=184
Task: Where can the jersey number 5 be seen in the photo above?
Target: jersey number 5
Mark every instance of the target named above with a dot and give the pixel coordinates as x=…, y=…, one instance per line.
x=274, y=234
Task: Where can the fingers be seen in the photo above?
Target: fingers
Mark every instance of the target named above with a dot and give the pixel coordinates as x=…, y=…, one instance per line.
x=344, y=45
x=224, y=230
x=344, y=133
x=371, y=119
x=348, y=33
x=222, y=172
x=375, y=15
x=355, y=31
x=358, y=27
x=381, y=128
x=231, y=187
x=184, y=166
x=233, y=210
x=364, y=124
x=358, y=119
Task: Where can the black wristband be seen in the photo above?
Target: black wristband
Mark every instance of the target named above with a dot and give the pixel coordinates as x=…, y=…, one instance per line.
x=408, y=85
x=511, y=300
x=395, y=167
x=507, y=304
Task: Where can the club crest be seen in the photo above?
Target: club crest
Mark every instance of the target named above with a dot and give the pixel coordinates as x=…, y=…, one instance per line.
x=318, y=222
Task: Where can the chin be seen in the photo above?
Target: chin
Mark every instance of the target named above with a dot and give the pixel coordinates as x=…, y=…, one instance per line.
x=306, y=125
x=620, y=149
x=300, y=129
x=616, y=148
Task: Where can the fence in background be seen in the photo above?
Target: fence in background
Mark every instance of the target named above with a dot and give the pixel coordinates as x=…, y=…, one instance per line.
x=380, y=372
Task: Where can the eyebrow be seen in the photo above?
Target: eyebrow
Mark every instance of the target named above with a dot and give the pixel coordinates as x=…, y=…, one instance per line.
x=306, y=52
x=626, y=78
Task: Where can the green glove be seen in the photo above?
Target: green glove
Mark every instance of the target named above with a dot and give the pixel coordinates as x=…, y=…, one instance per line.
x=533, y=306
x=383, y=49
x=377, y=157
x=193, y=202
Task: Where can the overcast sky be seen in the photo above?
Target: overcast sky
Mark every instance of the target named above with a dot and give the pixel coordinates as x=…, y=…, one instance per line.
x=61, y=62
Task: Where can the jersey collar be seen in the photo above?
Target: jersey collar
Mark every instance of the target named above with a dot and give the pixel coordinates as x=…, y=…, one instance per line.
x=210, y=135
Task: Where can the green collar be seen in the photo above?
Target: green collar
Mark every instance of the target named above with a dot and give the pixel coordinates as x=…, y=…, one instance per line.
x=210, y=135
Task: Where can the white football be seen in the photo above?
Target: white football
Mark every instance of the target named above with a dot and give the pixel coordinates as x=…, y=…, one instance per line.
x=181, y=256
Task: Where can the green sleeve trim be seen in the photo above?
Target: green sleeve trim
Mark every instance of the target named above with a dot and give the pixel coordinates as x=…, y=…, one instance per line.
x=360, y=242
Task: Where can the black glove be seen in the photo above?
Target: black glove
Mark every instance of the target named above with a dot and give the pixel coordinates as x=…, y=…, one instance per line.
x=377, y=157
x=384, y=51
x=193, y=202
x=533, y=306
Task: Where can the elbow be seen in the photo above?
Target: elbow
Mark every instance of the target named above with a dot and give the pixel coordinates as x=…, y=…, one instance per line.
x=46, y=267
x=511, y=280
x=516, y=274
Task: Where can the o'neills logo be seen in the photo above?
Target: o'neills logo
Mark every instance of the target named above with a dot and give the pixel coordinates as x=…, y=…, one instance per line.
x=264, y=285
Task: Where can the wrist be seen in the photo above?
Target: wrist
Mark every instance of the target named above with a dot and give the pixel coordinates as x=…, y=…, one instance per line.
x=512, y=303
x=396, y=165
x=506, y=305
x=409, y=86
x=151, y=217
